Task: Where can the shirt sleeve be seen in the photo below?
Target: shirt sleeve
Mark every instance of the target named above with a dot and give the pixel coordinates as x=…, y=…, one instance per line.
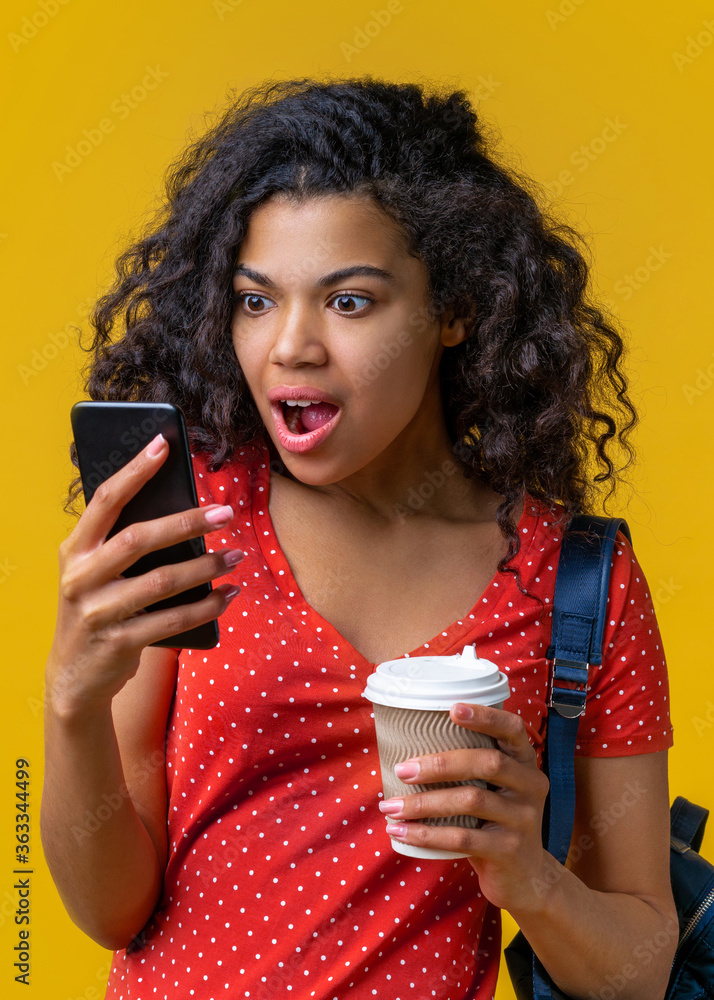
x=627, y=708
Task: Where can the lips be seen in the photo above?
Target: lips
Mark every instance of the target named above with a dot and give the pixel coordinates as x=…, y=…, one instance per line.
x=303, y=392
x=299, y=443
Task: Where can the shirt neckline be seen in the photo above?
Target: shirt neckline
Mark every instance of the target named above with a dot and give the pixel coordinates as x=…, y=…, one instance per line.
x=441, y=644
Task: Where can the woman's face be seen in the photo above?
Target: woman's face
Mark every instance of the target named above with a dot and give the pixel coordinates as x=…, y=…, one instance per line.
x=329, y=301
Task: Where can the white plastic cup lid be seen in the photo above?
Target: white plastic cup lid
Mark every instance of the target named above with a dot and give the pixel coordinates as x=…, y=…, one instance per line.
x=435, y=683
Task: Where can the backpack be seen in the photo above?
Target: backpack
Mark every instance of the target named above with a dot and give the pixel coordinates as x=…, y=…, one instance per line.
x=579, y=611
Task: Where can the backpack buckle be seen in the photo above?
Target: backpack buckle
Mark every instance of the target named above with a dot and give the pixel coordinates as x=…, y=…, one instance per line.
x=567, y=701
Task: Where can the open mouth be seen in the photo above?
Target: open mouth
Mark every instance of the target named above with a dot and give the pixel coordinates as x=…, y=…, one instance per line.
x=304, y=419
x=301, y=429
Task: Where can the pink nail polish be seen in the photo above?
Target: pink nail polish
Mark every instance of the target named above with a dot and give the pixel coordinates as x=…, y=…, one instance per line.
x=219, y=515
x=397, y=829
x=232, y=557
x=155, y=445
x=392, y=806
x=409, y=769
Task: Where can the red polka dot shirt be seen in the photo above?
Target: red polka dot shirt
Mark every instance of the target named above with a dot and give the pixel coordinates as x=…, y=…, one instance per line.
x=281, y=880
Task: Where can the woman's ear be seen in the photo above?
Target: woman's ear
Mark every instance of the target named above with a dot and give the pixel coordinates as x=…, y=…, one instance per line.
x=454, y=330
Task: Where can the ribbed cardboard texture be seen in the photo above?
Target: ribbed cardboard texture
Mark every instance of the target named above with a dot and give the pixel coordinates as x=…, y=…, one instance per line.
x=408, y=732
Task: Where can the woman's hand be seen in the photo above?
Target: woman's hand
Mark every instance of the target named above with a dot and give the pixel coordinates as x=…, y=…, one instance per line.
x=102, y=626
x=506, y=851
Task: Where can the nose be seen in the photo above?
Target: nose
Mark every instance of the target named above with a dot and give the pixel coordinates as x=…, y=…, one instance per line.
x=298, y=338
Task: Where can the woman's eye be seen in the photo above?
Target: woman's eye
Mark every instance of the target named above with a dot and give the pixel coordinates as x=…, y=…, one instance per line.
x=252, y=302
x=346, y=303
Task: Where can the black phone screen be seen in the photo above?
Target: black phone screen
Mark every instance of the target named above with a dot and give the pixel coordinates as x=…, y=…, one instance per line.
x=107, y=436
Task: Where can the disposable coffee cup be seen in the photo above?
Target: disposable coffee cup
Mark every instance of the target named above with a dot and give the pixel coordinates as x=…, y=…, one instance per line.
x=411, y=698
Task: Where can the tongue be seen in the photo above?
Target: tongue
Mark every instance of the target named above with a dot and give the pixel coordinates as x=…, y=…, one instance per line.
x=317, y=414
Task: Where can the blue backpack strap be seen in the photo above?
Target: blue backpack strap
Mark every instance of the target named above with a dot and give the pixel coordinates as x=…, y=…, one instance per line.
x=579, y=615
x=688, y=822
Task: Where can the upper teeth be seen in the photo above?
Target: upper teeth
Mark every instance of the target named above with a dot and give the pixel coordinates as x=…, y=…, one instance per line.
x=300, y=402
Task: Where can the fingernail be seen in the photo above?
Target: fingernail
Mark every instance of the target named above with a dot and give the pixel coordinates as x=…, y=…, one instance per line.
x=392, y=806
x=409, y=769
x=464, y=712
x=397, y=829
x=233, y=557
x=220, y=515
x=230, y=594
x=155, y=445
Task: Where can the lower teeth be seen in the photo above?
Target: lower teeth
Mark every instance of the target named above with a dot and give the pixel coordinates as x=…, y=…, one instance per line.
x=294, y=422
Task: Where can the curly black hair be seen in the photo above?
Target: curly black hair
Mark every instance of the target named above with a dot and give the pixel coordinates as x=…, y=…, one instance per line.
x=531, y=397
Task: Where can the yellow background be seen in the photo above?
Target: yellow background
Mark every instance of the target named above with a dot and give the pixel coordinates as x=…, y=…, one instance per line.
x=548, y=76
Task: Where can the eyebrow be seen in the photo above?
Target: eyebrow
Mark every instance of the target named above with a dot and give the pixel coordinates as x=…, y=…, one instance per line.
x=357, y=271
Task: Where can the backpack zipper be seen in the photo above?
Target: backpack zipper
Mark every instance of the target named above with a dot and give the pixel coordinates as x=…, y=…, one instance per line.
x=697, y=915
x=694, y=920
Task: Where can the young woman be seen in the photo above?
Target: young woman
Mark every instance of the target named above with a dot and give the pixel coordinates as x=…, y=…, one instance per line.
x=398, y=393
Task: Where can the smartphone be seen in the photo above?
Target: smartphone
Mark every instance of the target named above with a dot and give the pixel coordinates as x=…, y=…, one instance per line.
x=107, y=436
